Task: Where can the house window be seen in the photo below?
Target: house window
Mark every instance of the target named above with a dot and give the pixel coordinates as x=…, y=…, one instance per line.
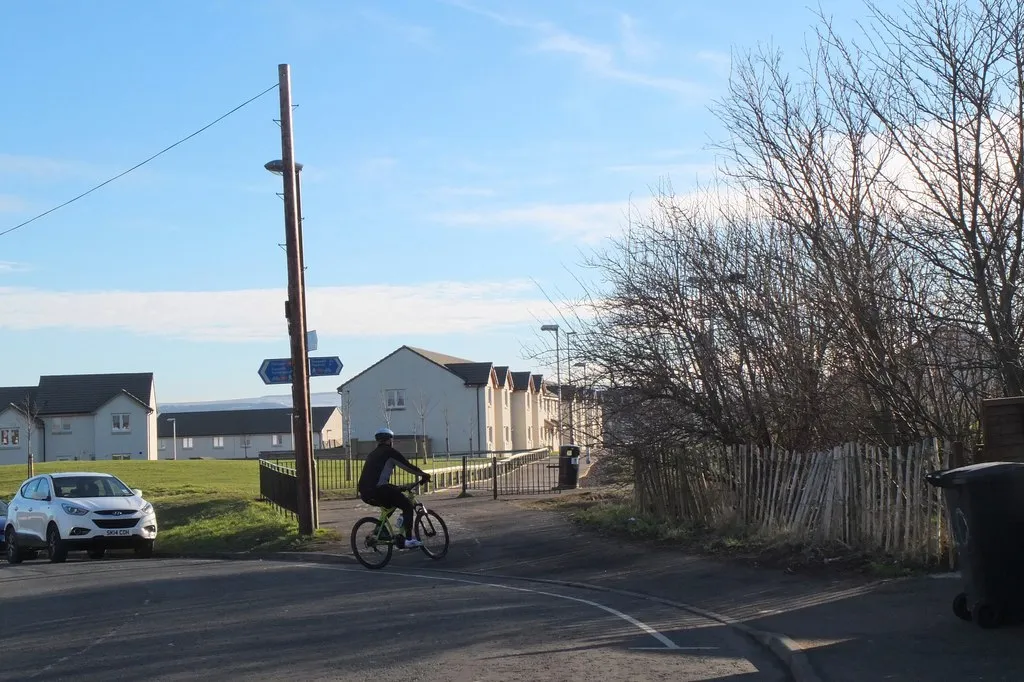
x=506, y=433
x=9, y=438
x=490, y=434
x=120, y=457
x=162, y=445
x=61, y=425
x=488, y=396
x=186, y=443
x=276, y=440
x=529, y=432
x=121, y=423
x=218, y=442
x=395, y=398
x=506, y=397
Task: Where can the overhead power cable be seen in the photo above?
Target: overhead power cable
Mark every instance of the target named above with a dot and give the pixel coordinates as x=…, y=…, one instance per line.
x=140, y=164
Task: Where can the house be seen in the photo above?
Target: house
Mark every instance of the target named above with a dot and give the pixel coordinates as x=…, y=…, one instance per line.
x=545, y=413
x=241, y=434
x=443, y=400
x=19, y=430
x=523, y=398
x=440, y=403
x=502, y=409
x=80, y=417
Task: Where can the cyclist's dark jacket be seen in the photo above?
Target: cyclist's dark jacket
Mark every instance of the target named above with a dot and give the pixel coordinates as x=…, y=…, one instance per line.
x=378, y=467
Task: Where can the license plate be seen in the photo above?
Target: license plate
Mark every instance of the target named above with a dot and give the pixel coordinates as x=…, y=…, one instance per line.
x=121, y=531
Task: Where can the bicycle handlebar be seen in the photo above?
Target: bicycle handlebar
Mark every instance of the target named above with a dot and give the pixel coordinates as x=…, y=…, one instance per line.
x=413, y=486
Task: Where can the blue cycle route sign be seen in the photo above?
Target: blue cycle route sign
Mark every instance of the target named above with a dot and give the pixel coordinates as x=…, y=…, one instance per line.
x=279, y=370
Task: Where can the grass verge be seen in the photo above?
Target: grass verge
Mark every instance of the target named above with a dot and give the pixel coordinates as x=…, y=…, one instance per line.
x=610, y=512
x=201, y=505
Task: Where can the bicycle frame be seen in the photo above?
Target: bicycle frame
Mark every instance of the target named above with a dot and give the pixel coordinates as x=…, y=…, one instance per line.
x=384, y=520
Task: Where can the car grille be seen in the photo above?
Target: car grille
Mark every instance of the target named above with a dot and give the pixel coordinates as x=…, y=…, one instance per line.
x=115, y=512
x=115, y=523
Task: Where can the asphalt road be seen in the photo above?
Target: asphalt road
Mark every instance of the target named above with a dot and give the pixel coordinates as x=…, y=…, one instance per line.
x=168, y=619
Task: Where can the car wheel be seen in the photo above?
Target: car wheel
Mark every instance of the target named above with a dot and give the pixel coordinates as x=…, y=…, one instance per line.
x=13, y=551
x=97, y=553
x=144, y=550
x=55, y=547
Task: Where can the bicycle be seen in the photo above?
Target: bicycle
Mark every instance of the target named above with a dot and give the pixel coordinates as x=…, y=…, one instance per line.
x=380, y=538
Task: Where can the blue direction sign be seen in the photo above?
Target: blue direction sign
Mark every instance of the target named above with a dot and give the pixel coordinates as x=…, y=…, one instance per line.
x=279, y=370
x=325, y=367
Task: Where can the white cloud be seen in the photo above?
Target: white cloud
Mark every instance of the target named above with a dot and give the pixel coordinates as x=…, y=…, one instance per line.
x=598, y=59
x=634, y=45
x=721, y=62
x=584, y=222
x=11, y=204
x=258, y=314
x=7, y=266
x=44, y=168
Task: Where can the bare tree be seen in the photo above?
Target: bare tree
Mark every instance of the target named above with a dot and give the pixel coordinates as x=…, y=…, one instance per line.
x=447, y=423
x=29, y=411
x=385, y=409
x=944, y=81
x=422, y=404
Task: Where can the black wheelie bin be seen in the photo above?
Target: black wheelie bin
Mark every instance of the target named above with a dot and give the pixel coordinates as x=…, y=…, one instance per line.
x=986, y=512
x=568, y=466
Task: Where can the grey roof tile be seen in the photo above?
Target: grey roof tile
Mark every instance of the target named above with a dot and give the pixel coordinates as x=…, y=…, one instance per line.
x=439, y=358
x=236, y=422
x=522, y=381
x=86, y=393
x=16, y=395
x=473, y=373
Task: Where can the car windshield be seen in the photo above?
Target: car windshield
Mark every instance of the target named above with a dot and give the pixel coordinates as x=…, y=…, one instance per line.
x=90, y=486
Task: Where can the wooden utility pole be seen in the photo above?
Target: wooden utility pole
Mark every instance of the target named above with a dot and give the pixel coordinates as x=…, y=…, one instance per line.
x=295, y=312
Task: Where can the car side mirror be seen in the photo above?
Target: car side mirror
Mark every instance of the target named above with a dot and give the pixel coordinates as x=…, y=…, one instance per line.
x=137, y=492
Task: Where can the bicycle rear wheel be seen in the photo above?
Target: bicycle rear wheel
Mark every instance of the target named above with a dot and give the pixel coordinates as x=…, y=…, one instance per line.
x=433, y=533
x=370, y=550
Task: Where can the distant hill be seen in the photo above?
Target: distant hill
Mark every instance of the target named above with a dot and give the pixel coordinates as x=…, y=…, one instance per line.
x=263, y=402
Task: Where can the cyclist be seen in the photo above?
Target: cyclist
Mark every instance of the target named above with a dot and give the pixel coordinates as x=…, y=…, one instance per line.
x=374, y=488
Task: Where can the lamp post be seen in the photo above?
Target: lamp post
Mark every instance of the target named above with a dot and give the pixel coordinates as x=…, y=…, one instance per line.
x=587, y=417
x=558, y=374
x=174, y=437
x=572, y=390
x=295, y=309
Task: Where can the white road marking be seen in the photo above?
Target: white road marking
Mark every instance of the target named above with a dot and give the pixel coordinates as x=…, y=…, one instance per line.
x=668, y=644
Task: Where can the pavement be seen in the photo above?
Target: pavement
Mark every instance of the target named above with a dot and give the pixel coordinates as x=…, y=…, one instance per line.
x=836, y=630
x=188, y=619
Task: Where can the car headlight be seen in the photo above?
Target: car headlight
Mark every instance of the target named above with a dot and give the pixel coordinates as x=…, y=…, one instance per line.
x=73, y=510
x=146, y=508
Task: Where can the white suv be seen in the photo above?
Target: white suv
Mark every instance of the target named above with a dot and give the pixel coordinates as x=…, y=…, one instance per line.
x=78, y=511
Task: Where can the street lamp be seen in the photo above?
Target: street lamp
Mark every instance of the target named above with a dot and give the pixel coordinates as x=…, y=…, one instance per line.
x=587, y=416
x=572, y=394
x=174, y=436
x=558, y=374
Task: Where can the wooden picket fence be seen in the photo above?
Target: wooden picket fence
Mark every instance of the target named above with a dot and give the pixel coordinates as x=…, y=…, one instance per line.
x=864, y=497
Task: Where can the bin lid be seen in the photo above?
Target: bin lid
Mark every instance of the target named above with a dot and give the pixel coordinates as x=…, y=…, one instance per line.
x=975, y=473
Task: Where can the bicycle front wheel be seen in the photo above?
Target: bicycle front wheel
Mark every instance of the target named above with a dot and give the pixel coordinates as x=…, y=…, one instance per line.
x=370, y=547
x=433, y=533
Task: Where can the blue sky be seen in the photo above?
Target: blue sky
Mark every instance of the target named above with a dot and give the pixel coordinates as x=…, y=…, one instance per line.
x=460, y=158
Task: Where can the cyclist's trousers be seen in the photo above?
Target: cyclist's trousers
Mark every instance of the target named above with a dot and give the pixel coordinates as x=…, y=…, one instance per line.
x=388, y=495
